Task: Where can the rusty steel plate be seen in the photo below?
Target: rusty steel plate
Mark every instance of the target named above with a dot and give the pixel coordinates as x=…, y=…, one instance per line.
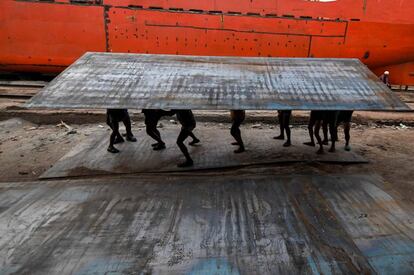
x=118, y=80
x=222, y=224
x=213, y=152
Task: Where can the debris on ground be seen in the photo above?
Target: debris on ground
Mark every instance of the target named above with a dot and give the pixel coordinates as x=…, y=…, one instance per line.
x=31, y=128
x=402, y=126
x=70, y=130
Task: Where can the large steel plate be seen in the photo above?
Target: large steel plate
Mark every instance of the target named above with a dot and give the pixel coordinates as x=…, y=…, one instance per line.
x=117, y=80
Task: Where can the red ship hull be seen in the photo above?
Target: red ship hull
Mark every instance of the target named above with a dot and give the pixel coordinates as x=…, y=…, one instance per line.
x=49, y=36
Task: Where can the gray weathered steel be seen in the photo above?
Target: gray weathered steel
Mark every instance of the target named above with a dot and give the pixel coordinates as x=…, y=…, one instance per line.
x=216, y=152
x=109, y=80
x=268, y=224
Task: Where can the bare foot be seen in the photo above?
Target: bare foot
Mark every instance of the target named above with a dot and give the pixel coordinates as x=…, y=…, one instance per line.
x=187, y=163
x=194, y=142
x=280, y=137
x=131, y=139
x=310, y=143
x=159, y=147
x=112, y=149
x=287, y=144
x=118, y=140
x=240, y=150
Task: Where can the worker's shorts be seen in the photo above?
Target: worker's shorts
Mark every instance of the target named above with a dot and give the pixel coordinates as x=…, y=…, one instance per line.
x=116, y=115
x=317, y=115
x=188, y=128
x=345, y=116
x=237, y=116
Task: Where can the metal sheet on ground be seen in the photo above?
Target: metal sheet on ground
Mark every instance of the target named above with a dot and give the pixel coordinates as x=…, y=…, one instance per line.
x=115, y=80
x=214, y=151
x=298, y=224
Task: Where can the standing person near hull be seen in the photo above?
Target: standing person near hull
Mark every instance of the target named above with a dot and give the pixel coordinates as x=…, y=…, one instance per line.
x=385, y=78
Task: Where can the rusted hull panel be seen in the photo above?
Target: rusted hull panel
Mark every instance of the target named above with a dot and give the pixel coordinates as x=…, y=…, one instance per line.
x=102, y=80
x=205, y=225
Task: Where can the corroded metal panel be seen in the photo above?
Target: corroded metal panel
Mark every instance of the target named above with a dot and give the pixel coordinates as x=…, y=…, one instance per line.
x=214, y=152
x=268, y=224
x=106, y=80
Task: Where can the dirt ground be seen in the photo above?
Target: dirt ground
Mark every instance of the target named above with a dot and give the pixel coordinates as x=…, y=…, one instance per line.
x=27, y=150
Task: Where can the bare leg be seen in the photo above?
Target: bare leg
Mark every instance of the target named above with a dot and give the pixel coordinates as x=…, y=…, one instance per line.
x=153, y=132
x=118, y=138
x=180, y=142
x=195, y=139
x=325, y=133
x=310, y=130
x=236, y=133
x=318, y=137
x=347, y=130
x=334, y=134
x=129, y=135
x=286, y=121
x=114, y=134
x=281, y=126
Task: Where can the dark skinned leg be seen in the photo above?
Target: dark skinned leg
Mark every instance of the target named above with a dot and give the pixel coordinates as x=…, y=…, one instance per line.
x=236, y=133
x=151, y=129
x=161, y=143
x=281, y=126
x=180, y=142
x=334, y=134
x=311, y=124
x=318, y=137
x=325, y=140
x=286, y=121
x=129, y=135
x=347, y=130
x=115, y=132
x=195, y=139
x=118, y=138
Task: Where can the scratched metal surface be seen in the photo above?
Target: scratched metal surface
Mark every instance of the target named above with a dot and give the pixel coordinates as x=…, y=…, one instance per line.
x=214, y=152
x=299, y=224
x=115, y=80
